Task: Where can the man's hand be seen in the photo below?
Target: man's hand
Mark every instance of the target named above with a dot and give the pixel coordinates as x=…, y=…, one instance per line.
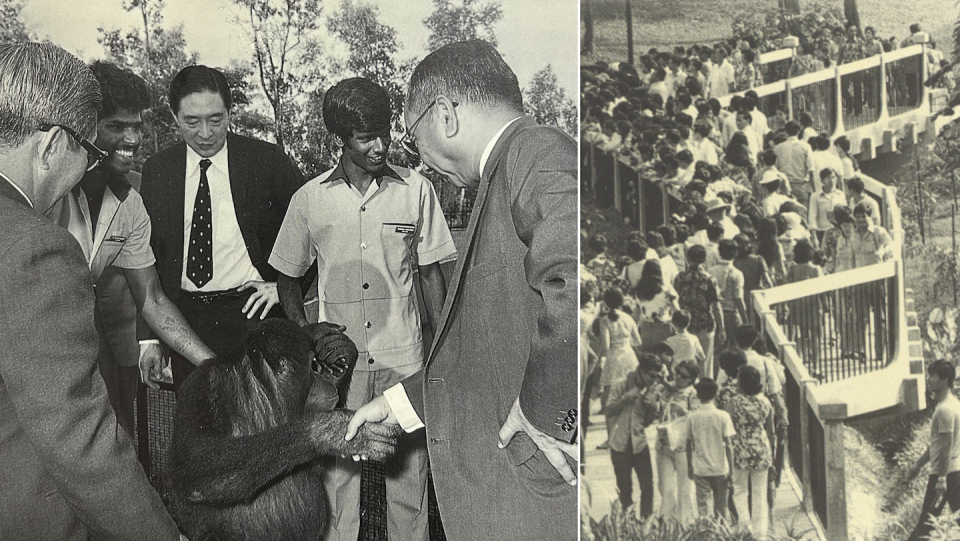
x=552, y=448
x=914, y=471
x=151, y=364
x=722, y=336
x=265, y=296
x=374, y=411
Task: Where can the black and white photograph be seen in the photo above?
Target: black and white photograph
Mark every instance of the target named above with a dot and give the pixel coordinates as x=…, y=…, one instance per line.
x=289, y=270
x=769, y=270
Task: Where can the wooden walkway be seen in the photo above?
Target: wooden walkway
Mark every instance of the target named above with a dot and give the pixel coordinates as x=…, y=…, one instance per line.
x=788, y=520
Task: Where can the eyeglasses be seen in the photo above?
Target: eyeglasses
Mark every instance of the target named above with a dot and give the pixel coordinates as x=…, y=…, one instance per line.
x=95, y=155
x=409, y=140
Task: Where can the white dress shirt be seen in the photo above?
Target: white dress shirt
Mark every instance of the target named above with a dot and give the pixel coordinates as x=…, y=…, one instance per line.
x=232, y=266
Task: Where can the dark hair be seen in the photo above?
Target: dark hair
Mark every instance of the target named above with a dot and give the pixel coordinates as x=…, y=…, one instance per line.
x=706, y=389
x=768, y=247
x=842, y=142
x=793, y=128
x=744, y=244
x=669, y=234
x=727, y=249
x=863, y=208
x=122, y=90
x=688, y=366
x=655, y=240
x=636, y=249
x=806, y=120
x=649, y=362
x=662, y=349
x=803, y=252
x=769, y=157
x=195, y=79
x=356, y=104
x=731, y=360
x=842, y=215
x=749, y=380
x=613, y=298
x=745, y=336
x=697, y=254
x=470, y=71
x=944, y=370
x=855, y=184
x=651, y=280
x=681, y=319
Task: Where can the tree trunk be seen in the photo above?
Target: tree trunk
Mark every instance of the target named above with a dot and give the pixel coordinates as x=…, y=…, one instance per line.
x=629, y=14
x=790, y=6
x=851, y=12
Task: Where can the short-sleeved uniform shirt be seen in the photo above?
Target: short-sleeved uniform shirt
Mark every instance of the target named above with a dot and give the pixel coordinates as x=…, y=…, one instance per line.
x=367, y=247
x=122, y=234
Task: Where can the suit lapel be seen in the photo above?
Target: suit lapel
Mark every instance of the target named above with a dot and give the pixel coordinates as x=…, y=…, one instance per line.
x=239, y=168
x=8, y=190
x=453, y=295
x=176, y=177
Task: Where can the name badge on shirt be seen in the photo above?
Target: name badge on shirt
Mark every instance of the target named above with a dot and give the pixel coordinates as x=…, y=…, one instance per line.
x=403, y=228
x=116, y=238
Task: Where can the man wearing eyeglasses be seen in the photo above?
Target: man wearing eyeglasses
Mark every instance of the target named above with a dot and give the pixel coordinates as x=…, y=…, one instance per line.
x=499, y=392
x=216, y=201
x=369, y=226
x=64, y=473
x=106, y=215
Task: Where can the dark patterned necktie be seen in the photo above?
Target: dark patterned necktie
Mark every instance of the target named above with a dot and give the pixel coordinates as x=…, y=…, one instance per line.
x=200, y=252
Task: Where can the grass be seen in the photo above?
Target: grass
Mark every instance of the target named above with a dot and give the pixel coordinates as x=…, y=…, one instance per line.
x=663, y=23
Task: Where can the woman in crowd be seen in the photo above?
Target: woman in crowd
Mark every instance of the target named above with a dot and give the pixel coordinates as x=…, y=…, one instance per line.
x=699, y=294
x=656, y=302
x=752, y=416
x=676, y=488
x=618, y=338
x=768, y=247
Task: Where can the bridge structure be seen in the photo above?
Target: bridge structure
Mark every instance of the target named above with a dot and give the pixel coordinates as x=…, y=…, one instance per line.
x=879, y=103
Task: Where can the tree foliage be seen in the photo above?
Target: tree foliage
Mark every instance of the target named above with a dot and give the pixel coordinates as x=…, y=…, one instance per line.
x=460, y=20
x=11, y=26
x=155, y=54
x=545, y=101
x=287, y=57
x=767, y=28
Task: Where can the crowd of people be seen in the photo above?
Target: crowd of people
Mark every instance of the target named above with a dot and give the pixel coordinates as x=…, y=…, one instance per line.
x=669, y=323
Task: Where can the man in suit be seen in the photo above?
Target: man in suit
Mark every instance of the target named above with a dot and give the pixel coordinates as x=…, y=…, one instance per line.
x=106, y=215
x=502, y=371
x=64, y=473
x=216, y=201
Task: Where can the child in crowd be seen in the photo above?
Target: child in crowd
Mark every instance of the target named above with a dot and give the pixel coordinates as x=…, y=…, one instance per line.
x=709, y=453
x=686, y=346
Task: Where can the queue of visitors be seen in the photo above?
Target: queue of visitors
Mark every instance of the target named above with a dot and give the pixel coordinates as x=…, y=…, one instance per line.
x=672, y=340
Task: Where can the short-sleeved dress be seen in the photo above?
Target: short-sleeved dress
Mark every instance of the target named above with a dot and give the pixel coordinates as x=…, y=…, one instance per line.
x=624, y=336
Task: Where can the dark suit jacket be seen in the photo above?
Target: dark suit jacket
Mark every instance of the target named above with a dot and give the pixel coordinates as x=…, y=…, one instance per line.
x=508, y=329
x=262, y=181
x=65, y=472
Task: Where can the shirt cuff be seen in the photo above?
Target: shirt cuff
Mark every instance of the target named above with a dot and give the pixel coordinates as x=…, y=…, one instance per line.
x=402, y=409
x=145, y=342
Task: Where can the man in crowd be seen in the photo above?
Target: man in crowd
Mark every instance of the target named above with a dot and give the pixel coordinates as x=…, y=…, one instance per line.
x=795, y=160
x=216, y=201
x=503, y=368
x=106, y=215
x=369, y=225
x=64, y=473
x=943, y=453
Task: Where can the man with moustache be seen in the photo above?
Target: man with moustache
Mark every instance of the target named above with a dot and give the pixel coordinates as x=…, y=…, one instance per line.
x=64, y=473
x=499, y=392
x=106, y=215
x=216, y=202
x=369, y=225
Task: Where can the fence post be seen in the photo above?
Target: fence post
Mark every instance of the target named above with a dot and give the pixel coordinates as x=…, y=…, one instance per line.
x=593, y=170
x=642, y=198
x=838, y=127
x=835, y=480
x=884, y=112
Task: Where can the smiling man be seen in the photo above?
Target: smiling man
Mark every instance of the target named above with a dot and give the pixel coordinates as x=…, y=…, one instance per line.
x=106, y=216
x=216, y=202
x=369, y=226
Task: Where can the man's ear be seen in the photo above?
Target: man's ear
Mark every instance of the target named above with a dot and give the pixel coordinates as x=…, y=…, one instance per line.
x=448, y=116
x=48, y=146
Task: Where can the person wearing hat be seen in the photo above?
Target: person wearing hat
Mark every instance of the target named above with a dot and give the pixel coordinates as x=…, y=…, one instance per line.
x=770, y=183
x=718, y=212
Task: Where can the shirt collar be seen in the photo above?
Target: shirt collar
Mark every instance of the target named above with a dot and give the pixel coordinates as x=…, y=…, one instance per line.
x=218, y=160
x=486, y=151
x=339, y=174
x=15, y=187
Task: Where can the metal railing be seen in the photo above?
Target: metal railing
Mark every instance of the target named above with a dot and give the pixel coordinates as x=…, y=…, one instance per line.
x=816, y=94
x=844, y=332
x=904, y=79
x=861, y=96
